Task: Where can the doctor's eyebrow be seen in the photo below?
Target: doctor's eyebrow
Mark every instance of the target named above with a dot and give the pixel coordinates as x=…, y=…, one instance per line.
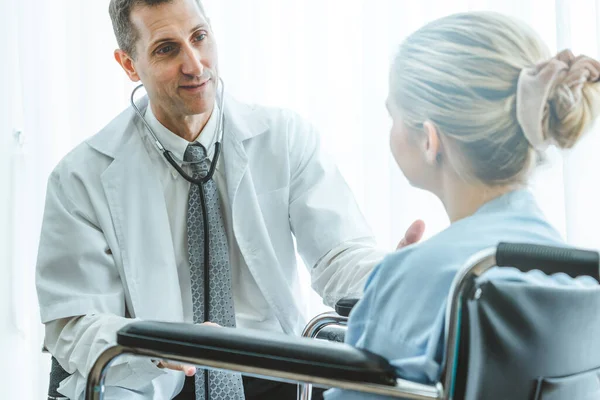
x=198, y=27
x=201, y=25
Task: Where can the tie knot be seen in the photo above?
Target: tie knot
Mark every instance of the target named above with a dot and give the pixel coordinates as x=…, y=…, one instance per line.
x=196, y=154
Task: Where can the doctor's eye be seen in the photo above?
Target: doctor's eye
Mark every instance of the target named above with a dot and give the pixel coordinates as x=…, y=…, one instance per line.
x=165, y=49
x=200, y=37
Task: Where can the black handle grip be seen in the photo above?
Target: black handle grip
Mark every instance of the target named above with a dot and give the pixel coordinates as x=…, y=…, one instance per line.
x=344, y=306
x=332, y=333
x=548, y=259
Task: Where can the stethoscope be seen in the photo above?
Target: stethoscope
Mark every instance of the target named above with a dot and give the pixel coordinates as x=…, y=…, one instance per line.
x=196, y=181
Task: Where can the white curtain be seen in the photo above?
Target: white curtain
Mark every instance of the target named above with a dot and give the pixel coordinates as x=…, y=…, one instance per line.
x=328, y=60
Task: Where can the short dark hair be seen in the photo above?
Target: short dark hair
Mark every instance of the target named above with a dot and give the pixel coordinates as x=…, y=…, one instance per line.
x=125, y=32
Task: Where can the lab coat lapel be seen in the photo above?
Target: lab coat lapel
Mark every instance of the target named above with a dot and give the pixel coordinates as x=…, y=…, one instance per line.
x=142, y=228
x=242, y=124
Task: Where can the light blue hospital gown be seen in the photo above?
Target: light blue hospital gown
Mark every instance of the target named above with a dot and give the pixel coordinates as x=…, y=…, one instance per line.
x=401, y=316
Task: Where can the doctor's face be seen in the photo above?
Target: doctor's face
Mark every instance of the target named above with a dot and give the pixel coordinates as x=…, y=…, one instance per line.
x=176, y=57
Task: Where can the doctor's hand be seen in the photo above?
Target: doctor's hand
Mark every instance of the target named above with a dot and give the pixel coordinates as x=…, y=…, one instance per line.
x=188, y=370
x=413, y=234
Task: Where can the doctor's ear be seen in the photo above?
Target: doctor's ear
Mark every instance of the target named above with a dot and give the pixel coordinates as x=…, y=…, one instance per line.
x=433, y=145
x=126, y=62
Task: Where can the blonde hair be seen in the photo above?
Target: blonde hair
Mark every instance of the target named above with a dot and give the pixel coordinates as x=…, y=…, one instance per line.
x=461, y=73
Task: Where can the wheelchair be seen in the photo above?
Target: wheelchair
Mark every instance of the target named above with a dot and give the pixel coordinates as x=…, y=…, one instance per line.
x=503, y=340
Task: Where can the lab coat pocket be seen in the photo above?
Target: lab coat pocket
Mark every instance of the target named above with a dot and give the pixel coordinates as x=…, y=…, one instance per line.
x=274, y=206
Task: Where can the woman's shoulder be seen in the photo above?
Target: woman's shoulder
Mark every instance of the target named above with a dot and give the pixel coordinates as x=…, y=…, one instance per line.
x=514, y=221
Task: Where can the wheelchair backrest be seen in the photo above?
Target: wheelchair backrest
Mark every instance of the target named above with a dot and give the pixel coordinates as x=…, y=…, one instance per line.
x=522, y=341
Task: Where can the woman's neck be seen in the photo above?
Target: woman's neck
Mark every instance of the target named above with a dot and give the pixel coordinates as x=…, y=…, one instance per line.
x=462, y=199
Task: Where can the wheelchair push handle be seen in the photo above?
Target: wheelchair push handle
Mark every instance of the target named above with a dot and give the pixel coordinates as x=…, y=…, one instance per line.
x=345, y=305
x=550, y=260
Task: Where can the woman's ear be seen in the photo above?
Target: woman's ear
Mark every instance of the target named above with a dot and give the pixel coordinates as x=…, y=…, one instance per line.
x=433, y=145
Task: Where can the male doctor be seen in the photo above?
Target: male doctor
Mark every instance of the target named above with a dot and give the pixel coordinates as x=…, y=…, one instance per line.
x=122, y=236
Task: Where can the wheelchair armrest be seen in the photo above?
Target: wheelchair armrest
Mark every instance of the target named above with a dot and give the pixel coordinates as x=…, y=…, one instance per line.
x=344, y=306
x=257, y=349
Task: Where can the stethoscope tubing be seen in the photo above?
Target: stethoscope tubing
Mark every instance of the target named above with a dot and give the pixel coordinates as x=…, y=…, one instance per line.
x=196, y=181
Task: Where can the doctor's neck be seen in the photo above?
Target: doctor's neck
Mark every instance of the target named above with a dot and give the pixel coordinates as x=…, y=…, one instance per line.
x=187, y=127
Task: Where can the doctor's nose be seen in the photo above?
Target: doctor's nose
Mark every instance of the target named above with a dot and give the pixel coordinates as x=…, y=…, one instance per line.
x=191, y=64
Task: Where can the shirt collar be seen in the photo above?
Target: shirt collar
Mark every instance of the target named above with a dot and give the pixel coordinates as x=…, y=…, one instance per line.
x=178, y=145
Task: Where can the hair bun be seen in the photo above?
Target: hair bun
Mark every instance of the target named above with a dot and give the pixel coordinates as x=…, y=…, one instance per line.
x=572, y=107
x=557, y=100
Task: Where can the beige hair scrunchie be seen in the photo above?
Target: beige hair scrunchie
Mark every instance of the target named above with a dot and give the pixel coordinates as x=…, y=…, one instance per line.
x=538, y=83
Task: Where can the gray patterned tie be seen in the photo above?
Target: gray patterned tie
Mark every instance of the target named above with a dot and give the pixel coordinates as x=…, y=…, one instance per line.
x=221, y=385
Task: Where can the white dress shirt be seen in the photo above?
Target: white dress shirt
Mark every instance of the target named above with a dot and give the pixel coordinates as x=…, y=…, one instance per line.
x=251, y=308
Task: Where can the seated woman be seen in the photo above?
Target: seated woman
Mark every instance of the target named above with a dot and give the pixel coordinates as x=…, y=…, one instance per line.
x=474, y=99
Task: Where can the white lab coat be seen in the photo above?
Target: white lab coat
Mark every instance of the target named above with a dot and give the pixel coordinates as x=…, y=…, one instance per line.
x=106, y=244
